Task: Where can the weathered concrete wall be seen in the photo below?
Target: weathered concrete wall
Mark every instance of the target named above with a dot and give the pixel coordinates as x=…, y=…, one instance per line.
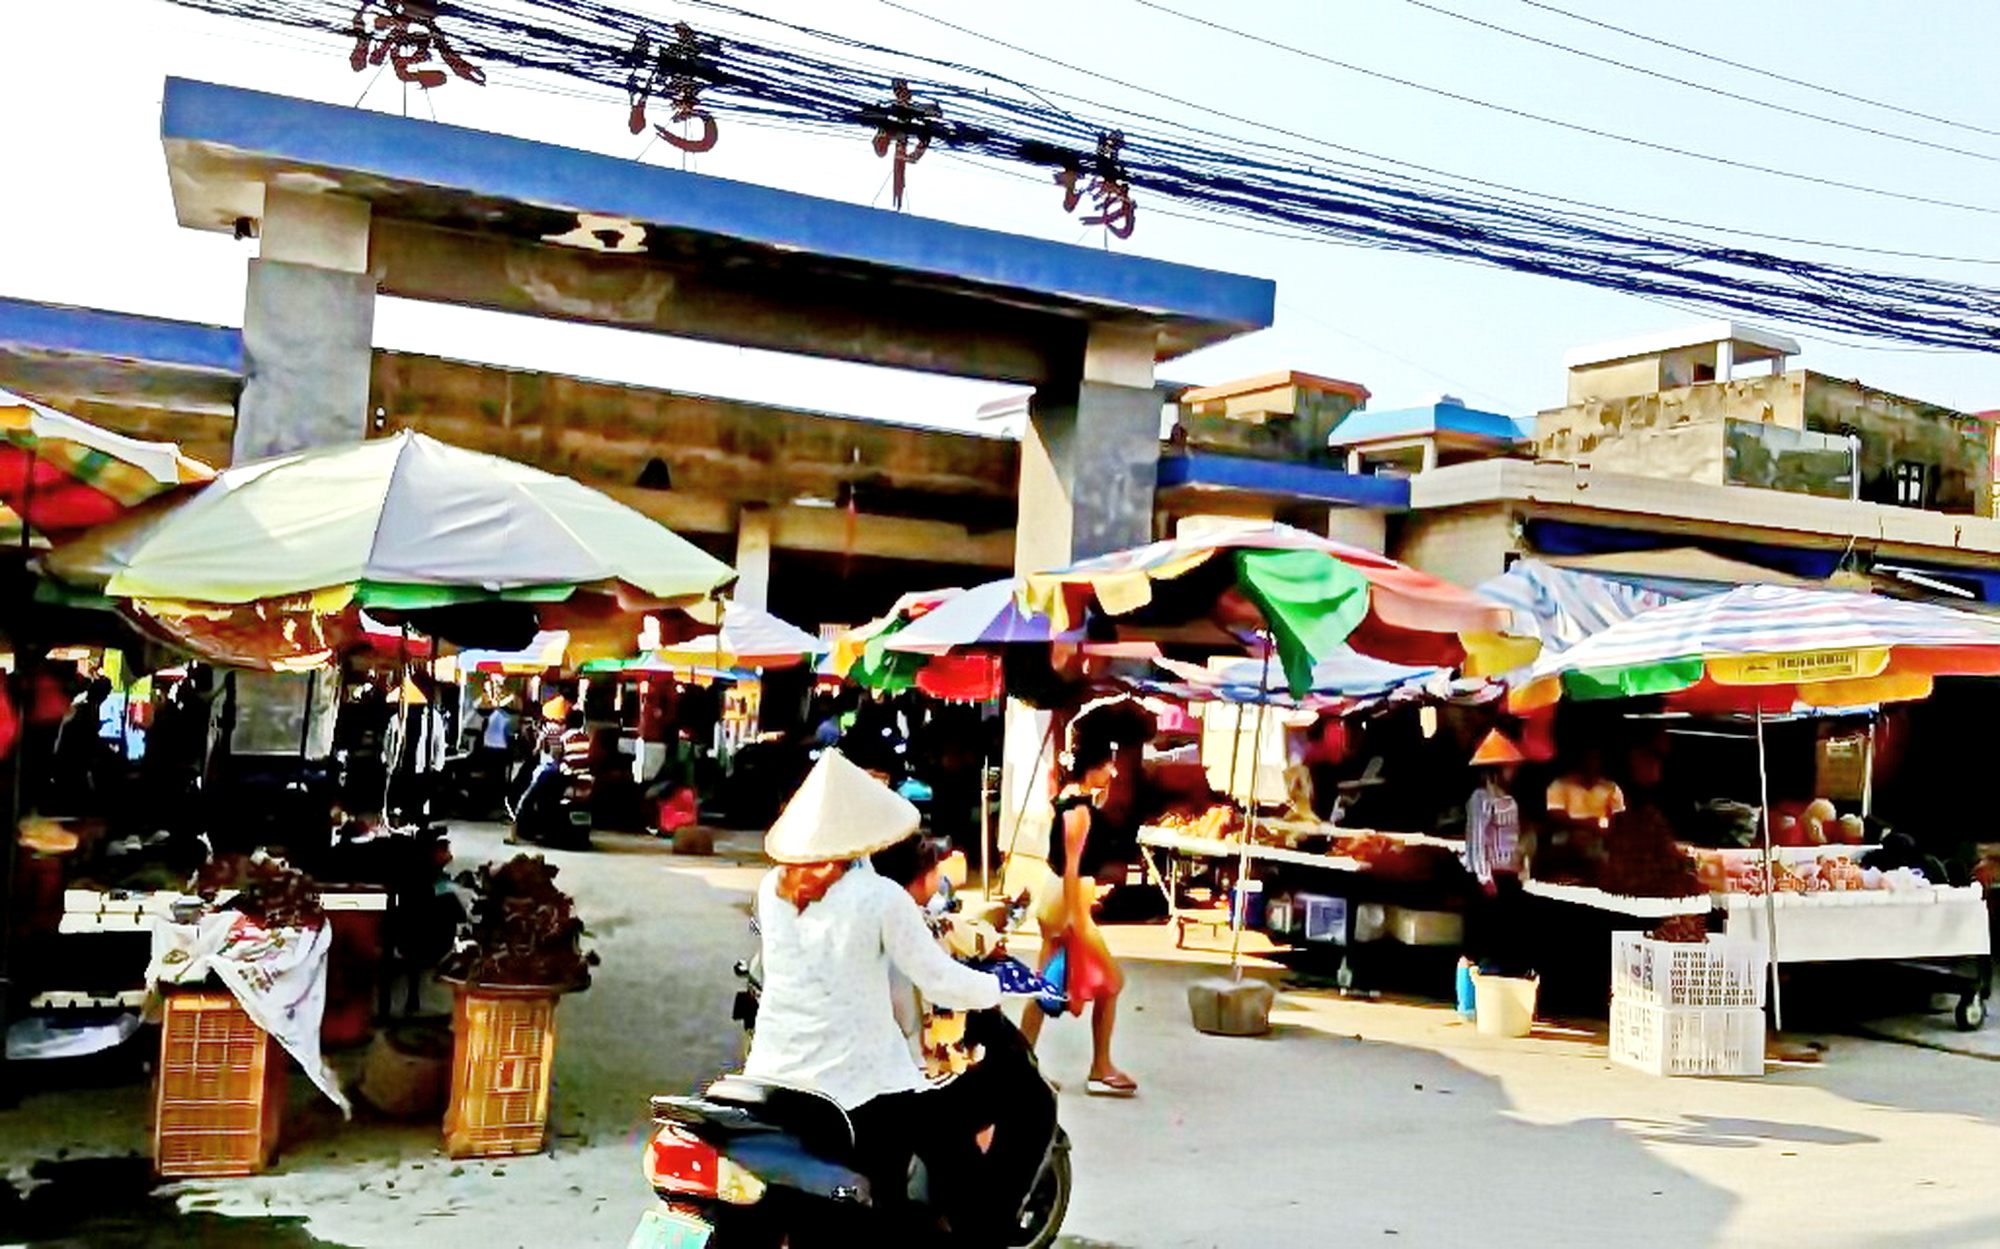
x=1283, y=423
x=607, y=435
x=1465, y=545
x=1615, y=380
x=1673, y=434
x=1956, y=448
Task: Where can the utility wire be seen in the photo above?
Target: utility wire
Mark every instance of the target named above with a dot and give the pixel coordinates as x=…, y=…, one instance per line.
x=1577, y=127
x=1697, y=86
x=1464, y=179
x=992, y=118
x=1756, y=69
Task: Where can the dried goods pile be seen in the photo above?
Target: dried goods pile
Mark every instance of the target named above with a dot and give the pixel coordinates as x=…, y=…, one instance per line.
x=524, y=930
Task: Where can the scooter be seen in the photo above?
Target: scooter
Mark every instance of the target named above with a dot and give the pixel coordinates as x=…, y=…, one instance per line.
x=752, y=1163
x=556, y=811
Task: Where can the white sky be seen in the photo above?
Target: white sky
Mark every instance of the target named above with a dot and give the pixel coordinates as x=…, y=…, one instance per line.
x=87, y=218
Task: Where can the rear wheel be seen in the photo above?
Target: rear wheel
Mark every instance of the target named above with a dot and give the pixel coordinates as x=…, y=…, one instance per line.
x=1042, y=1217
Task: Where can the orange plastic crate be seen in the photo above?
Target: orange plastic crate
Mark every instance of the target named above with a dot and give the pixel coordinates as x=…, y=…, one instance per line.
x=503, y=1052
x=219, y=1097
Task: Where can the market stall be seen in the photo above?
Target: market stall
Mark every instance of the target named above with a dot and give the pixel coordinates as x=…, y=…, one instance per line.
x=1764, y=651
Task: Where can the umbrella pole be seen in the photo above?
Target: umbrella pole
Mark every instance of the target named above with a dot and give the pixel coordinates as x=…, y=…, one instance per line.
x=10, y=847
x=1770, y=877
x=1239, y=902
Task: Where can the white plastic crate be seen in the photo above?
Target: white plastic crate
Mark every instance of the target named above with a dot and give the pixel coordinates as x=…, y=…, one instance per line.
x=1688, y=1040
x=1717, y=972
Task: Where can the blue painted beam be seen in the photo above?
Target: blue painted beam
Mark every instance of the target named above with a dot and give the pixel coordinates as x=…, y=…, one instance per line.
x=30, y=326
x=1280, y=479
x=388, y=153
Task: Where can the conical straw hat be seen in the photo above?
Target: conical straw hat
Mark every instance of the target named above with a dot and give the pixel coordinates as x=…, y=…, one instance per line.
x=1495, y=751
x=839, y=813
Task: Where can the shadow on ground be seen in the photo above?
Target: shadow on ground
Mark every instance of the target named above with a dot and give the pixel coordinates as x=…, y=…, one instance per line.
x=112, y=1203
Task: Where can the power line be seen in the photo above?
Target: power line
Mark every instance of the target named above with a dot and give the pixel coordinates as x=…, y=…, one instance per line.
x=1577, y=127
x=992, y=118
x=1272, y=127
x=1698, y=86
x=1756, y=69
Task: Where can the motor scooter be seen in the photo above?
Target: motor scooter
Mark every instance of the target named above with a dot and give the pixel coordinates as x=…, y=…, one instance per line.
x=749, y=1163
x=556, y=810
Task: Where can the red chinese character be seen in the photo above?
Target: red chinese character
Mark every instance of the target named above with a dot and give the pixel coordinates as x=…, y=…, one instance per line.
x=677, y=75
x=405, y=33
x=904, y=134
x=1109, y=189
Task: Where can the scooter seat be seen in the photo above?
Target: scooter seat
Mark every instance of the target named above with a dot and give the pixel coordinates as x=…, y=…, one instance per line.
x=815, y=1119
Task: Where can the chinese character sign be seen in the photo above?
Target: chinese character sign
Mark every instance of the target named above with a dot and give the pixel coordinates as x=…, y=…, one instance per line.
x=676, y=74
x=905, y=134
x=405, y=34
x=1109, y=188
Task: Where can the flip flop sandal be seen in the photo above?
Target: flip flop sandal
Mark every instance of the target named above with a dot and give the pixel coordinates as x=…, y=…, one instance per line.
x=1107, y=1088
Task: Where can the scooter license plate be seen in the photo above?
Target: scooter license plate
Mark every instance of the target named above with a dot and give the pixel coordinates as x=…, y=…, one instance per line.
x=670, y=1229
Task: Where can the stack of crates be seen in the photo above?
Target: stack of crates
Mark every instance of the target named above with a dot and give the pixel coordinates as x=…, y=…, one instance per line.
x=220, y=1095
x=1682, y=1009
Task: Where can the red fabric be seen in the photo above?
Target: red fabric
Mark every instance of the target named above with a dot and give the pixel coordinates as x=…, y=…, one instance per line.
x=55, y=501
x=1087, y=974
x=10, y=722
x=677, y=812
x=961, y=678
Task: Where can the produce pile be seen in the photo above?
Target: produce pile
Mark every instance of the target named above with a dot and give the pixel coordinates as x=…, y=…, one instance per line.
x=269, y=891
x=1742, y=871
x=1213, y=823
x=524, y=930
x=1643, y=860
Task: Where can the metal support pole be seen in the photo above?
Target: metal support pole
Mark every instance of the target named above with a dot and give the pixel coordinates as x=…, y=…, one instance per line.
x=1770, y=877
x=985, y=827
x=1239, y=901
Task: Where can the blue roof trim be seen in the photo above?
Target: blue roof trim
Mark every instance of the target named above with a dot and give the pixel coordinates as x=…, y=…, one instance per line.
x=27, y=324
x=1286, y=480
x=1433, y=418
x=454, y=157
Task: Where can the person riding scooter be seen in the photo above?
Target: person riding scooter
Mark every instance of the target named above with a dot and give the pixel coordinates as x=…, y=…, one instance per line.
x=832, y=928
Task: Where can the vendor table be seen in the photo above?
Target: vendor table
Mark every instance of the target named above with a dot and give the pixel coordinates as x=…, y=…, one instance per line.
x=1161, y=846
x=1619, y=904
x=1930, y=922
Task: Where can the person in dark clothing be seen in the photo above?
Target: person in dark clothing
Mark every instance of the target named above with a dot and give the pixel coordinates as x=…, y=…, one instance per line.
x=992, y=1113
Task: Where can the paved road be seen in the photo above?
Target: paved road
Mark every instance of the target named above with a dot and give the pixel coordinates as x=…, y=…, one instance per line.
x=1356, y=1123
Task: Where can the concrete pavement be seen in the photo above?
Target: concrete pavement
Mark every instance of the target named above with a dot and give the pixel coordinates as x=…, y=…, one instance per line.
x=1356, y=1122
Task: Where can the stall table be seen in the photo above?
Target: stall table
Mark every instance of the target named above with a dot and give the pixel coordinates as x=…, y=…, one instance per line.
x=1617, y=904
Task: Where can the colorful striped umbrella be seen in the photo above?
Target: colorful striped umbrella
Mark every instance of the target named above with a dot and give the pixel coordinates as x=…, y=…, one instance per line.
x=1312, y=593
x=64, y=474
x=742, y=637
x=1765, y=647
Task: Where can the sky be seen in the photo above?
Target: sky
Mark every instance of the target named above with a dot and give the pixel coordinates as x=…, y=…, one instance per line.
x=88, y=218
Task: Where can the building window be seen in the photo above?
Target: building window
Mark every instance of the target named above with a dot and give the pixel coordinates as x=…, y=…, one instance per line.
x=1910, y=481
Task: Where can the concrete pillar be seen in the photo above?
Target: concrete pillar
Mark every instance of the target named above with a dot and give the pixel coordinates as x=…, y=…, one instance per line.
x=1359, y=526
x=1090, y=456
x=1090, y=460
x=1725, y=361
x=1430, y=455
x=308, y=326
x=753, y=557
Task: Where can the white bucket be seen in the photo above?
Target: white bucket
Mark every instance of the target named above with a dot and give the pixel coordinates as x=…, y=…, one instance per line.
x=1505, y=1005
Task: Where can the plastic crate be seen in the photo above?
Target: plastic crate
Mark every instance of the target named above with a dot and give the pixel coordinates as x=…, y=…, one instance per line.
x=1717, y=972
x=1321, y=918
x=503, y=1053
x=1688, y=1040
x=219, y=1098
